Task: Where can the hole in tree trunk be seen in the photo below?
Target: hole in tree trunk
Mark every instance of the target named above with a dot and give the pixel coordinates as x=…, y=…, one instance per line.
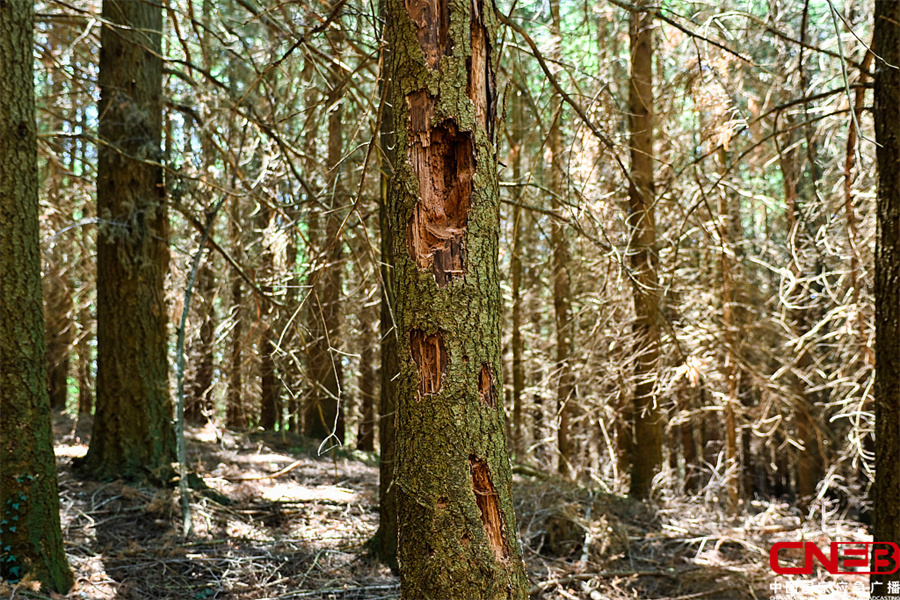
x=443, y=160
x=489, y=504
x=431, y=359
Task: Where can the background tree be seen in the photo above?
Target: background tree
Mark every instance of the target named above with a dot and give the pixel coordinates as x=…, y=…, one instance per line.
x=648, y=441
x=30, y=538
x=132, y=433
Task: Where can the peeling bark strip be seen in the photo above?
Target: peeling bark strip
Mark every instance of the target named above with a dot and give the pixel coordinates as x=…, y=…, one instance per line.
x=432, y=20
x=431, y=359
x=486, y=385
x=488, y=503
x=444, y=162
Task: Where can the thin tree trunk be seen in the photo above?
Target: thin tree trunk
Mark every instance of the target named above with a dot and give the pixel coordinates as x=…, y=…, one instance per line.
x=515, y=267
x=270, y=400
x=385, y=539
x=325, y=414
x=365, y=436
x=648, y=431
x=729, y=325
x=562, y=294
x=199, y=407
x=235, y=412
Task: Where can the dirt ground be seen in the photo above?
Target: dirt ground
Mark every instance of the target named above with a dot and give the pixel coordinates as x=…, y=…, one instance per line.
x=302, y=534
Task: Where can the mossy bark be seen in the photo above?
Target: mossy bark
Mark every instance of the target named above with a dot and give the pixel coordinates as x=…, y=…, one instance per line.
x=30, y=537
x=133, y=436
x=886, y=488
x=456, y=525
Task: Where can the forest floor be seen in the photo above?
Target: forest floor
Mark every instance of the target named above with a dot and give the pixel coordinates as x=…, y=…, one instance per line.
x=302, y=534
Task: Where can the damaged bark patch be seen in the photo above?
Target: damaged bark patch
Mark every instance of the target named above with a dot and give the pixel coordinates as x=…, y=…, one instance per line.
x=488, y=502
x=431, y=359
x=480, y=83
x=486, y=386
x=432, y=21
x=443, y=160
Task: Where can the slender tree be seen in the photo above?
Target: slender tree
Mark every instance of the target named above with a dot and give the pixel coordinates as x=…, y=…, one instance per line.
x=648, y=437
x=132, y=434
x=325, y=412
x=456, y=525
x=886, y=488
x=30, y=536
x=562, y=294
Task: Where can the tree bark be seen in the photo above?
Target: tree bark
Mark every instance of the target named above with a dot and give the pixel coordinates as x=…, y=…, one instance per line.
x=325, y=415
x=30, y=537
x=235, y=412
x=365, y=437
x=648, y=431
x=457, y=533
x=562, y=293
x=199, y=408
x=886, y=487
x=132, y=435
x=270, y=397
x=385, y=540
x=515, y=267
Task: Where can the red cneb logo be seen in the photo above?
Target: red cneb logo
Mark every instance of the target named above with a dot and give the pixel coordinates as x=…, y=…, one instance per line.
x=844, y=558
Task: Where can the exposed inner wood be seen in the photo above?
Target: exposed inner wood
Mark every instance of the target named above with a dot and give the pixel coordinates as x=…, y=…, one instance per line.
x=443, y=160
x=486, y=385
x=431, y=359
x=432, y=20
x=479, y=86
x=489, y=504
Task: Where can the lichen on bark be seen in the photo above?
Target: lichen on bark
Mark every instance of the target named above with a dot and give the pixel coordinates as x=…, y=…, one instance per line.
x=452, y=474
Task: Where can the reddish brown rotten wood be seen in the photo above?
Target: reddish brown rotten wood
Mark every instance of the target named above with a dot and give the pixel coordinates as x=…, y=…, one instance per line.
x=443, y=160
x=488, y=503
x=432, y=21
x=431, y=359
x=486, y=385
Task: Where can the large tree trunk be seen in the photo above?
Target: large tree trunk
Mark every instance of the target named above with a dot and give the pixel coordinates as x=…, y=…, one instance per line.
x=133, y=434
x=886, y=488
x=648, y=432
x=30, y=536
x=457, y=532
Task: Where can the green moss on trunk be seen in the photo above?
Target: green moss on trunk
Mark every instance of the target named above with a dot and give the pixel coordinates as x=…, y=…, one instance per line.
x=457, y=533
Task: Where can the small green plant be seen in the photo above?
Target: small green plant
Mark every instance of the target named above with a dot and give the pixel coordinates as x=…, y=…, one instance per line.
x=10, y=569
